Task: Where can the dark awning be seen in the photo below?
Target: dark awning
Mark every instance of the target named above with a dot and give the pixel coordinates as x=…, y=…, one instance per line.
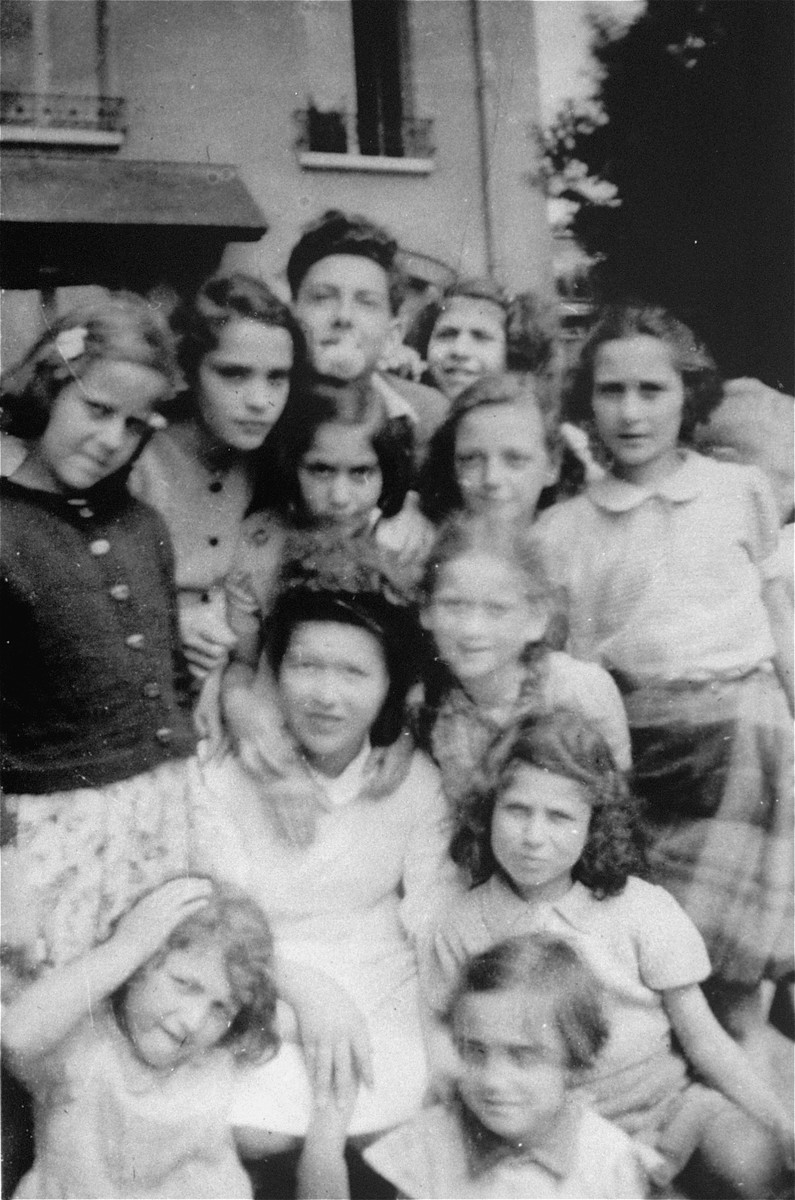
x=119, y=223
x=104, y=191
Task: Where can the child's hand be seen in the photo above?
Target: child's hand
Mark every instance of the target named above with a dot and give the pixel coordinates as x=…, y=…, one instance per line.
x=331, y=1115
x=335, y=1041
x=148, y=923
x=402, y=360
x=206, y=639
x=409, y=535
x=262, y=743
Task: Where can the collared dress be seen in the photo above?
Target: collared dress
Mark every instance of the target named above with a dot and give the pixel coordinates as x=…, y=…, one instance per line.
x=665, y=591
x=639, y=944
x=358, y=903
x=583, y=1158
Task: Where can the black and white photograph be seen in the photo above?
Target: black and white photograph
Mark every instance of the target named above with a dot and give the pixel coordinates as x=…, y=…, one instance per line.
x=397, y=511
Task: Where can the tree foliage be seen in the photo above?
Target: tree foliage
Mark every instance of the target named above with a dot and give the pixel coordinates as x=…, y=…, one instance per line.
x=692, y=125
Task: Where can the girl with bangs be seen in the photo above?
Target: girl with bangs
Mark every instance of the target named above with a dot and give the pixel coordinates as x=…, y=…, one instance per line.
x=551, y=845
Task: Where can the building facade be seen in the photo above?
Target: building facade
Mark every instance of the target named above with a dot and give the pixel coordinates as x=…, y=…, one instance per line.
x=163, y=137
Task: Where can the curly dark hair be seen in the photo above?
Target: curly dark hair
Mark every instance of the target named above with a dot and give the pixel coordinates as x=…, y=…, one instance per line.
x=690, y=357
x=232, y=921
x=221, y=300
x=336, y=232
x=538, y=962
x=122, y=327
x=566, y=744
x=321, y=400
x=440, y=494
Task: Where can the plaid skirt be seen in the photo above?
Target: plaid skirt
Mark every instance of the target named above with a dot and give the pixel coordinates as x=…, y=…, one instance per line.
x=74, y=861
x=714, y=773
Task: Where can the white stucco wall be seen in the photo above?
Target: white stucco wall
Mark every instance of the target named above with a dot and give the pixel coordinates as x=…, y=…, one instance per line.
x=217, y=81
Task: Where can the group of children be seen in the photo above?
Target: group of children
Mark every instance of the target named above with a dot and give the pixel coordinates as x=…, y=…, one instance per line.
x=358, y=821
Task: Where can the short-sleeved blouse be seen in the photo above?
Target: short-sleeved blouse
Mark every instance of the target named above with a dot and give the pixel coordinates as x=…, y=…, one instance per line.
x=639, y=943
x=665, y=583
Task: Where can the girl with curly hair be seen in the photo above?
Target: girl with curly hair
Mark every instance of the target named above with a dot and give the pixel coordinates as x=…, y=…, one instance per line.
x=665, y=566
x=552, y=846
x=130, y=1049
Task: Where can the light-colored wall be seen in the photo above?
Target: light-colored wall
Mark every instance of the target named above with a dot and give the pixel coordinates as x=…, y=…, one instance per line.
x=217, y=81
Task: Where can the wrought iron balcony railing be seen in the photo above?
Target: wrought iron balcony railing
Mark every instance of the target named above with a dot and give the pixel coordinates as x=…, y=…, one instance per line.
x=340, y=132
x=54, y=110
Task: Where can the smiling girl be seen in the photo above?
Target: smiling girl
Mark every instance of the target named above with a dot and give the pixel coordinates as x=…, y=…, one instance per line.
x=357, y=901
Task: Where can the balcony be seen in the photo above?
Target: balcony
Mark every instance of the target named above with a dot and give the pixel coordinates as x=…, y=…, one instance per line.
x=340, y=141
x=55, y=119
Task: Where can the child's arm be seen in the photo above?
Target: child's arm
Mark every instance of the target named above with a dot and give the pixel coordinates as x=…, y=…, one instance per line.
x=722, y=1062
x=44, y=1014
x=779, y=611
x=322, y=1171
x=251, y=708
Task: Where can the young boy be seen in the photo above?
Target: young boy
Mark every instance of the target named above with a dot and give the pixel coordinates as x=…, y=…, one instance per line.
x=347, y=289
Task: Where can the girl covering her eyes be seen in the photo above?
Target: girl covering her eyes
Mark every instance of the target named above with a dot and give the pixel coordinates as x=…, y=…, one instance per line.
x=551, y=845
x=666, y=567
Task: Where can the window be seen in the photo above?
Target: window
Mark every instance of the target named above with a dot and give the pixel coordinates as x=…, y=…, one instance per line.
x=55, y=73
x=379, y=50
x=383, y=134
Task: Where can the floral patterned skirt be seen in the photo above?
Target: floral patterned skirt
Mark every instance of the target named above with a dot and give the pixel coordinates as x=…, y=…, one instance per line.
x=74, y=861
